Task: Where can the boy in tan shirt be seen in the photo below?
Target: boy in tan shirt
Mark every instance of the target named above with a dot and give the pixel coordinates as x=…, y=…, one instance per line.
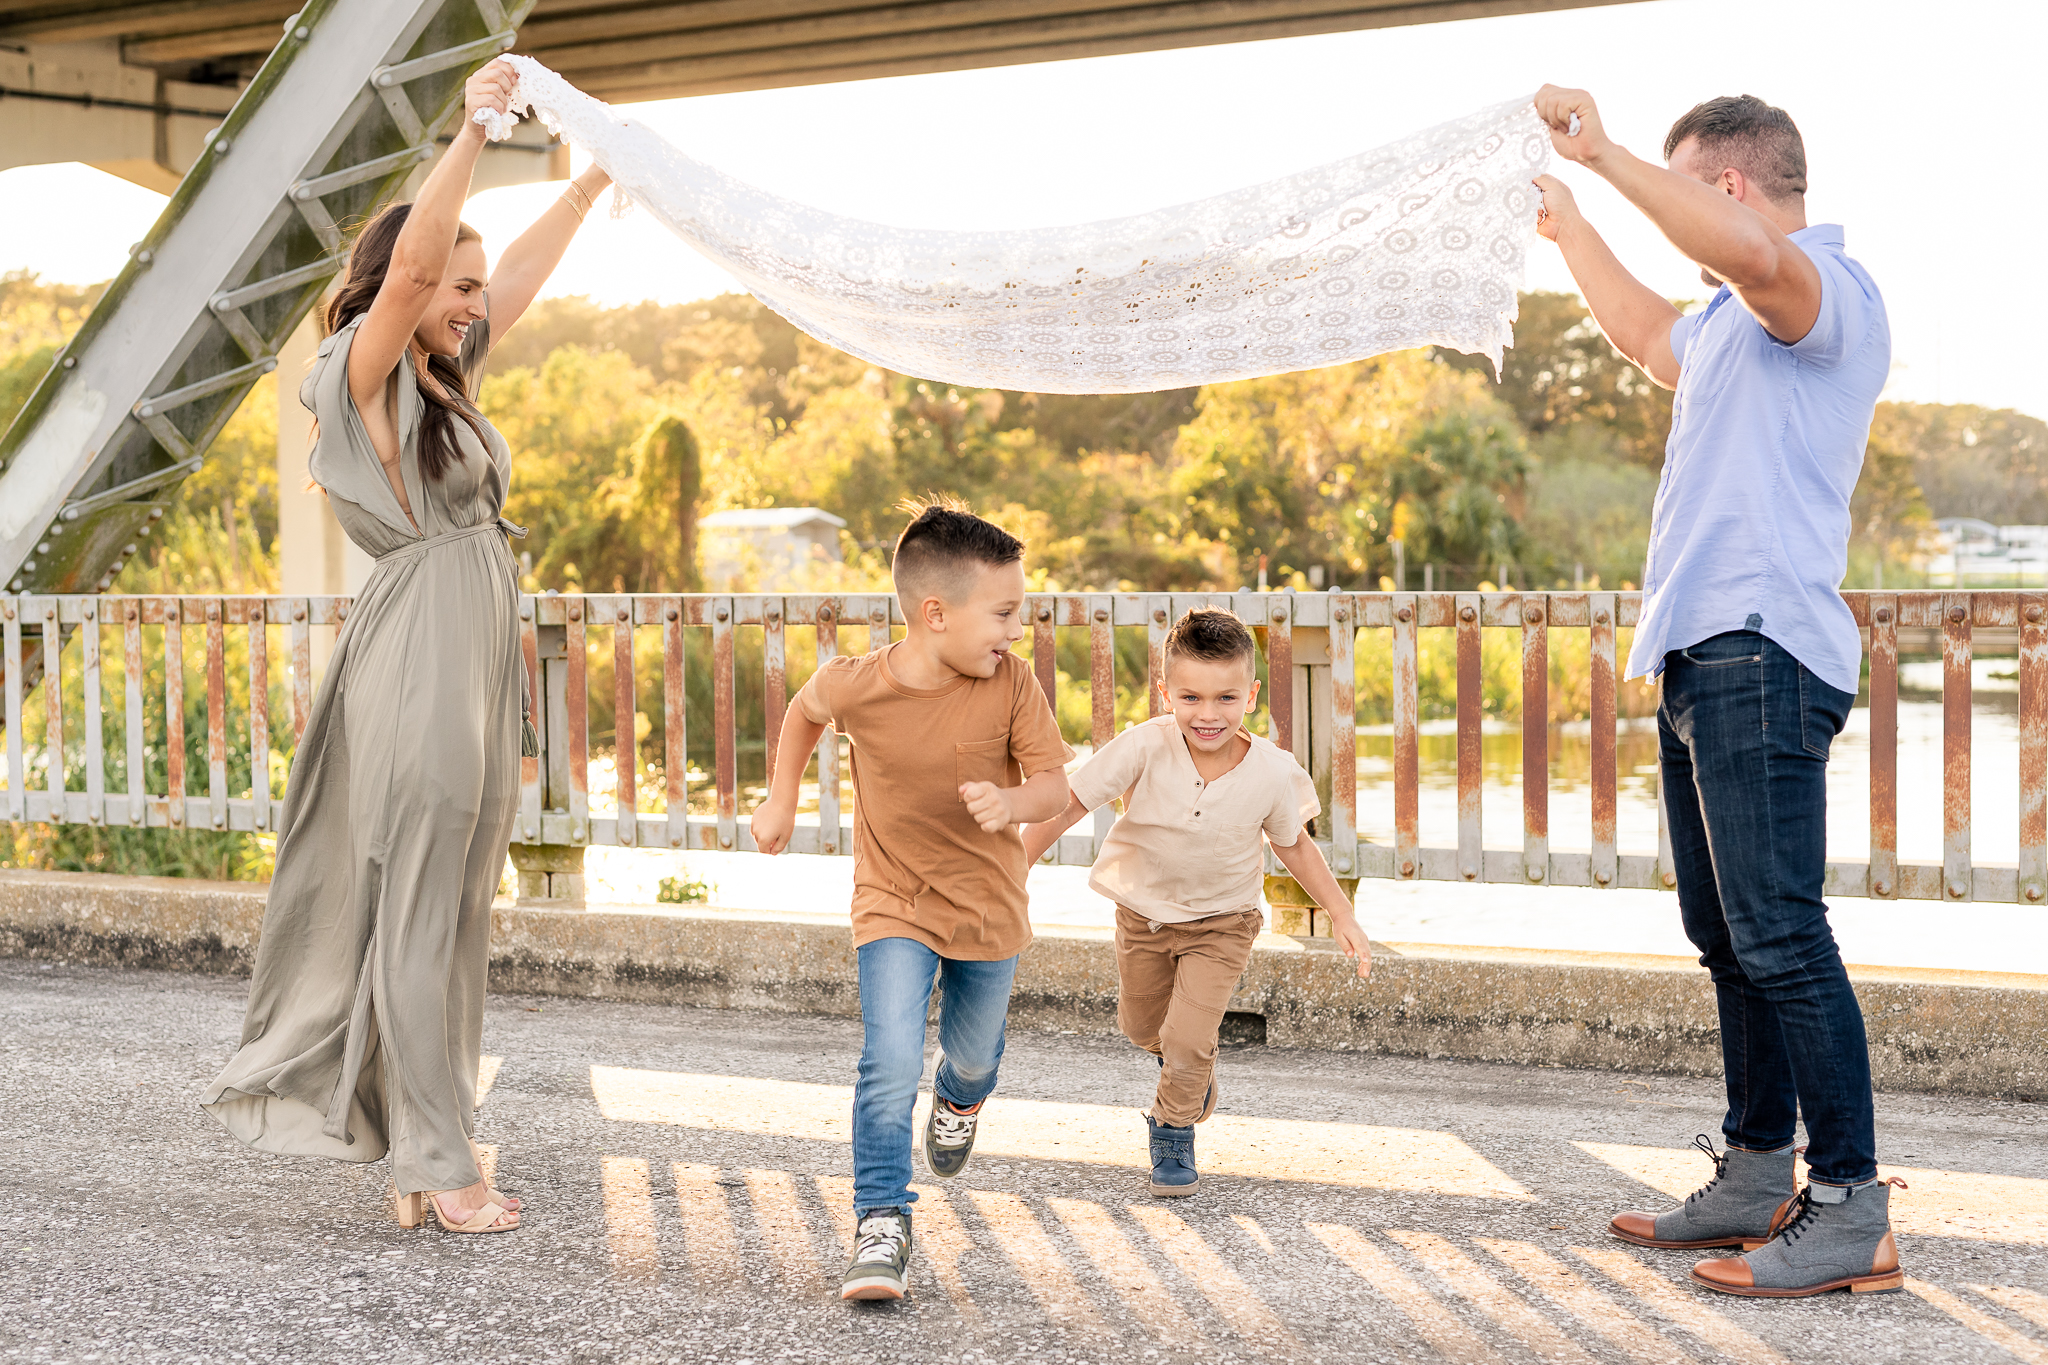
x=954, y=746
x=1185, y=864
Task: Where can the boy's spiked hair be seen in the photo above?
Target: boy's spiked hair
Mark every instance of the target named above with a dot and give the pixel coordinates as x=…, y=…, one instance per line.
x=942, y=543
x=1213, y=636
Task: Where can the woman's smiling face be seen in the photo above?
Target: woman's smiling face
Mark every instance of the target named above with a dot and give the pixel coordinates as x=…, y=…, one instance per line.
x=458, y=301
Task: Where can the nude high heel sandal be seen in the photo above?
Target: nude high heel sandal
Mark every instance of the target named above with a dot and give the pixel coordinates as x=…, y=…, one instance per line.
x=413, y=1210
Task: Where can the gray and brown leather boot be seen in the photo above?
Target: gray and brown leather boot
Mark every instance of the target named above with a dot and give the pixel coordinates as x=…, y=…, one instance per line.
x=1740, y=1207
x=1838, y=1237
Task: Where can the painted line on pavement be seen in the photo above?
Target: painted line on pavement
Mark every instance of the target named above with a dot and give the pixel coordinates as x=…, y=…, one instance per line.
x=1982, y=1323
x=1343, y=1154
x=1453, y=1340
x=1038, y=1261
x=1135, y=1282
x=944, y=1242
x=1681, y=1305
x=1233, y=1299
x=1568, y=1291
x=785, y=1231
x=1255, y=1232
x=1485, y=1293
x=710, y=1242
x=2029, y=1305
x=1988, y=1208
x=629, y=1219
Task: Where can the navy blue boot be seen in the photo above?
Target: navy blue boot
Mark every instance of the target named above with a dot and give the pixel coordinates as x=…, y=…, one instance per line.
x=1173, y=1159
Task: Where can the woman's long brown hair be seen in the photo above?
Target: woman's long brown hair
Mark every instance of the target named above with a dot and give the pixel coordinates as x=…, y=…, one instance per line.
x=367, y=264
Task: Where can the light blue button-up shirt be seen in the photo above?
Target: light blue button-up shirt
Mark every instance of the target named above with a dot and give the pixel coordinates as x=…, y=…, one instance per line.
x=1751, y=525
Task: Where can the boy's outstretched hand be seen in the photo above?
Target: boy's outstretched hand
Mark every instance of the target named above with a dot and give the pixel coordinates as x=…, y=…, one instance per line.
x=989, y=805
x=1351, y=940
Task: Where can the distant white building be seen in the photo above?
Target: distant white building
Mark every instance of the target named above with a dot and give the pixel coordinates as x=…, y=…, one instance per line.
x=1972, y=551
x=765, y=548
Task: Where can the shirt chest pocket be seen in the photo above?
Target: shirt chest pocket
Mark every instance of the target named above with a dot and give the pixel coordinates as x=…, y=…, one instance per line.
x=984, y=760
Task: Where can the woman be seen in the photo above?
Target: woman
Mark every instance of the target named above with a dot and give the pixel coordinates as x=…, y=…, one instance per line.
x=365, y=1015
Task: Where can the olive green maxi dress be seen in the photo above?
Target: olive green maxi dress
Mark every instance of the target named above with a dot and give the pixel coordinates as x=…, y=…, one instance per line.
x=365, y=1014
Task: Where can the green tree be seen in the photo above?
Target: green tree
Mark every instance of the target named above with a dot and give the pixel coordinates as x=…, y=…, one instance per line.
x=1452, y=486
x=1562, y=371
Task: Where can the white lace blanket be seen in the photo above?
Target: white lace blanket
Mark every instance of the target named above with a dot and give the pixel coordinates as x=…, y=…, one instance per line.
x=1420, y=242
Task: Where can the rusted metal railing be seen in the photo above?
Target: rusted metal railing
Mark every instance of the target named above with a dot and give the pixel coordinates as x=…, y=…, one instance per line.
x=1311, y=652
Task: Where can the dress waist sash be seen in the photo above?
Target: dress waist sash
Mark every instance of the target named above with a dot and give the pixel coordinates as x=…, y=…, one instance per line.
x=425, y=543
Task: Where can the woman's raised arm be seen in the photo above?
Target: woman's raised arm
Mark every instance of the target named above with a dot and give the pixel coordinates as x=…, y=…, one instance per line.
x=528, y=262
x=420, y=256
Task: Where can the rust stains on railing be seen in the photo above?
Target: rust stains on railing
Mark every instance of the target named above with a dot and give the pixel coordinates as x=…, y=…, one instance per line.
x=1955, y=745
x=1884, y=747
x=1312, y=648
x=1471, y=760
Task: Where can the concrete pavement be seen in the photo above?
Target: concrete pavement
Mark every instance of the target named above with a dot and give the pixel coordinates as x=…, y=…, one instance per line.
x=686, y=1170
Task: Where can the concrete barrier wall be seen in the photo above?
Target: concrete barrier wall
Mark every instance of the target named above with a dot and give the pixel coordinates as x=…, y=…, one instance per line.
x=1978, y=1033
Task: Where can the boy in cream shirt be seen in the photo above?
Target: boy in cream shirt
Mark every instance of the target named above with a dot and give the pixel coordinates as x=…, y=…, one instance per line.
x=1185, y=865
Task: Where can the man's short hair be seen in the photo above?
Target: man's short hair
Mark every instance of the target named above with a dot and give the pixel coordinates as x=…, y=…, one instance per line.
x=1212, y=635
x=1758, y=139
x=943, y=546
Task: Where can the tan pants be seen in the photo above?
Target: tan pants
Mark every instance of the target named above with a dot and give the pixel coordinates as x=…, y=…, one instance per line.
x=1173, y=985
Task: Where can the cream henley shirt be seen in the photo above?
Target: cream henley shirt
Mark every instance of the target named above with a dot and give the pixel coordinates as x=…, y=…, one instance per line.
x=1185, y=849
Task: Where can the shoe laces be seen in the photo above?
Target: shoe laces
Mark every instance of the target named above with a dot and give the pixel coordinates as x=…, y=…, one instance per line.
x=1809, y=1210
x=881, y=1237
x=950, y=1126
x=1720, y=1160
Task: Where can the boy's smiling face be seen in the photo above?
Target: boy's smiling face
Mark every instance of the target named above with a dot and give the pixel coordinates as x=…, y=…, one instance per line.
x=1209, y=698
x=975, y=632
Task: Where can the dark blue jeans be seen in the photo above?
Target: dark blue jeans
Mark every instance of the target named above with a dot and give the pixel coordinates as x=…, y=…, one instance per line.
x=896, y=980
x=1744, y=731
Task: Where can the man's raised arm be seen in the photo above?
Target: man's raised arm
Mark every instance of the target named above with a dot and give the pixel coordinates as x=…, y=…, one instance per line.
x=1730, y=227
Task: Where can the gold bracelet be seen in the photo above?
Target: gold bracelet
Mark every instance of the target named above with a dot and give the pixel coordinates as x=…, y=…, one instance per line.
x=580, y=213
x=580, y=193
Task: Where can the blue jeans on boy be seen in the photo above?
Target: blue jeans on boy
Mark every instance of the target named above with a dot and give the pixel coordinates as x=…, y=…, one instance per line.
x=1744, y=731
x=896, y=977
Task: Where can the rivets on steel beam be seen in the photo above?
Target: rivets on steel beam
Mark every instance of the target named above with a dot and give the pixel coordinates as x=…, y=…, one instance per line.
x=130, y=614
x=1405, y=614
x=1101, y=614
x=1955, y=890
x=2033, y=891
x=824, y=614
x=298, y=613
x=2033, y=613
x=1600, y=617
x=1408, y=869
x=1532, y=614
x=725, y=841
x=220, y=146
x=1159, y=615
x=1535, y=872
x=723, y=613
x=1956, y=614
x=625, y=613
x=1045, y=613
x=1342, y=613
x=70, y=362
x=673, y=614
x=774, y=616
x=1343, y=864
x=1279, y=616
x=1670, y=879
x=1880, y=888
x=1602, y=877
x=30, y=566
x=1883, y=614
x=213, y=611
x=1471, y=872
x=575, y=611
x=1467, y=613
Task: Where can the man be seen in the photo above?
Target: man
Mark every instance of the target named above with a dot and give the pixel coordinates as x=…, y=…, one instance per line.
x=1777, y=380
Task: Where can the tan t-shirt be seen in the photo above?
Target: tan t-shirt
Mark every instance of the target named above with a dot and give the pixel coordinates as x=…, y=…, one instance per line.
x=1185, y=849
x=922, y=868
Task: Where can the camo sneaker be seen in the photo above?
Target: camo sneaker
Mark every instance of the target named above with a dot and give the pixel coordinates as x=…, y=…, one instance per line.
x=948, y=1137
x=881, y=1257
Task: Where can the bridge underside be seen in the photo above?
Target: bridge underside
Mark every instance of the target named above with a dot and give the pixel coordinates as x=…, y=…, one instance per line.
x=658, y=49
